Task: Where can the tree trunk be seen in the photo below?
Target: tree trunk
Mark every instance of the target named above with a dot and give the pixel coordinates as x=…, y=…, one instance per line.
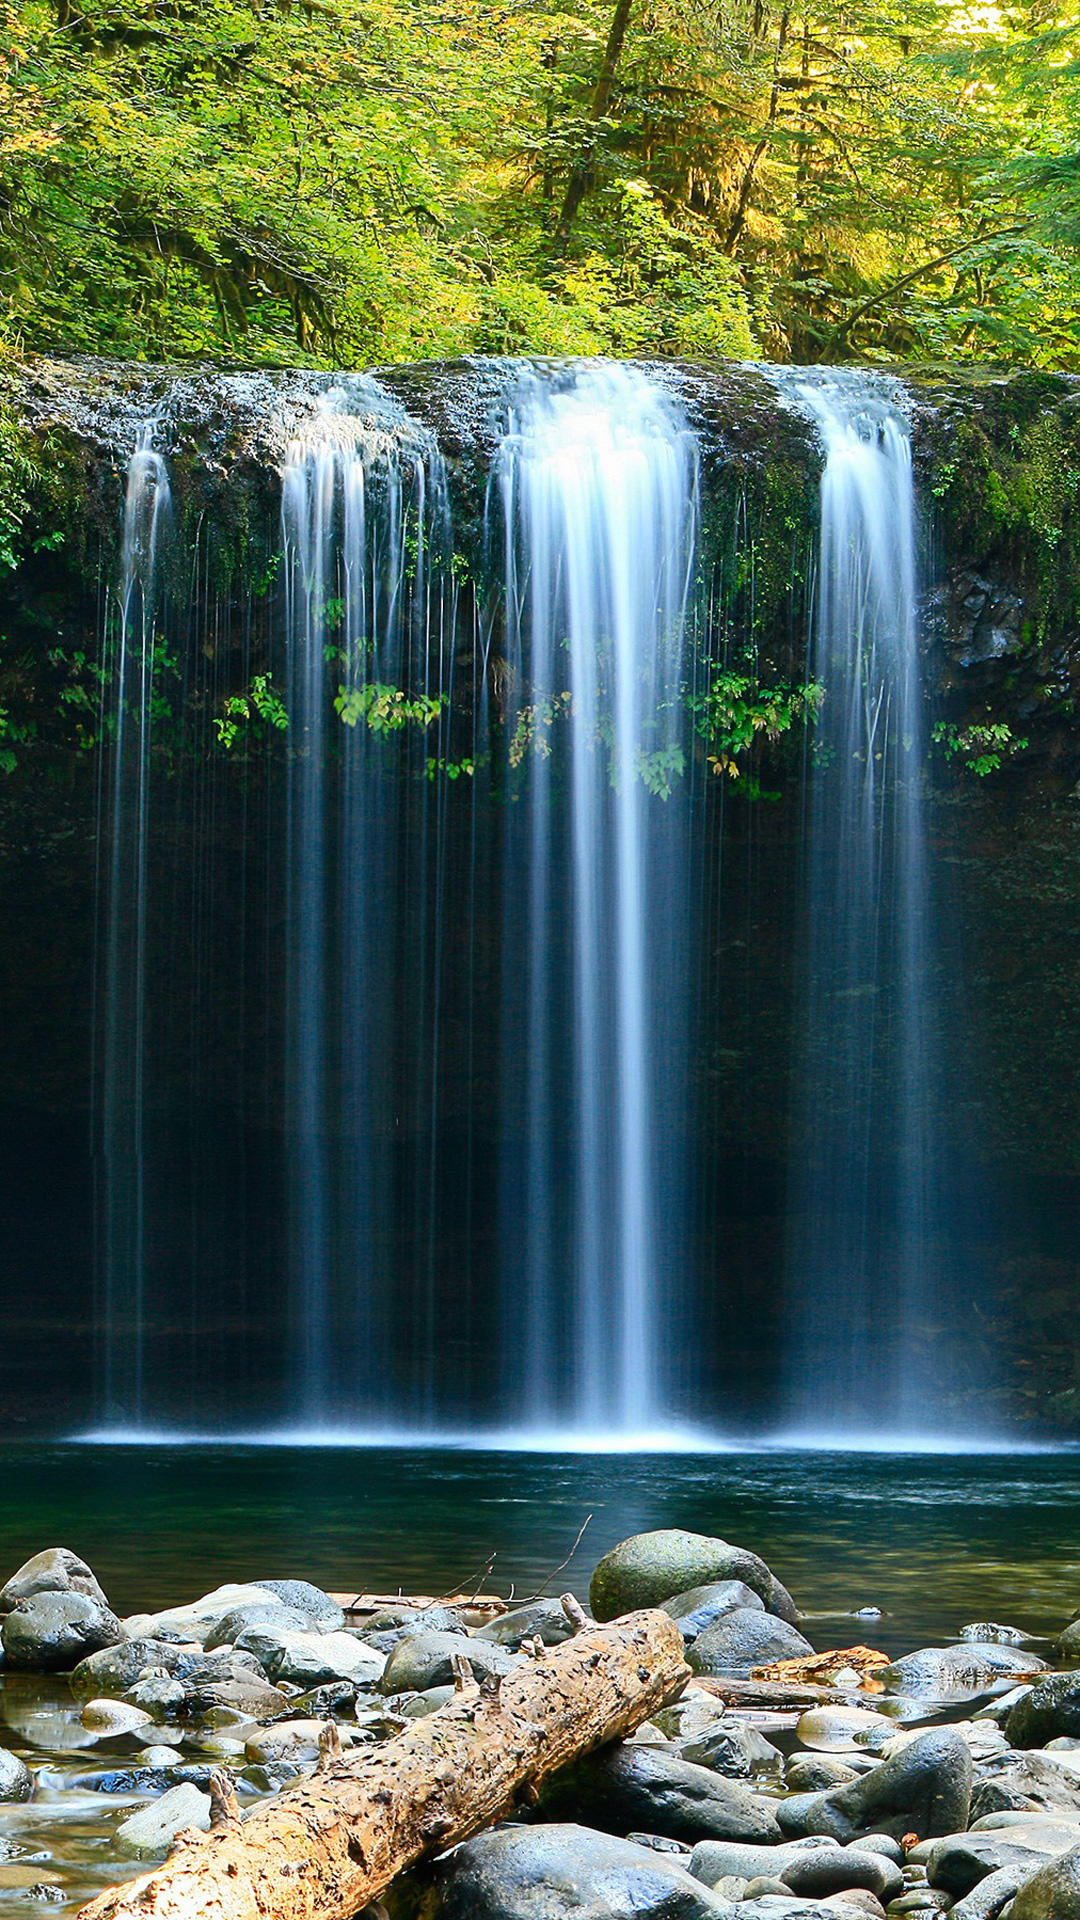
x=581, y=174
x=330, y=1844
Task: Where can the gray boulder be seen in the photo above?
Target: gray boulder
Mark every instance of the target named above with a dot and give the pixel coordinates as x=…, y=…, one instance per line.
x=650, y=1568
x=988, y=1633
x=716, y=1860
x=841, y=1870
x=1053, y=1893
x=959, y=1861
x=957, y=1673
x=311, y=1601
x=545, y=1620
x=244, y=1695
x=420, y=1620
x=1032, y=1783
x=567, y=1873
x=991, y=1896
x=743, y=1639
x=271, y=1615
x=158, y=1694
x=53, y=1631
x=923, y=1789
x=114, y=1669
x=696, y=1609
x=57, y=1570
x=424, y=1660
x=198, y=1618
x=624, y=1788
x=1051, y=1711
x=151, y=1830
x=818, y=1773
x=733, y=1749
x=311, y=1659
x=16, y=1781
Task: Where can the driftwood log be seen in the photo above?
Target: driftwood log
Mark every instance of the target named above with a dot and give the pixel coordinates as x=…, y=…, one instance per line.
x=331, y=1843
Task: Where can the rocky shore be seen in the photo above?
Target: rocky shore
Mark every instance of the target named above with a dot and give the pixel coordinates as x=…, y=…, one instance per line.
x=799, y=1775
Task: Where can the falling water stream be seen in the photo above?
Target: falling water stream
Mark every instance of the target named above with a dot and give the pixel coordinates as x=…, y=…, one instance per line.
x=597, y=474
x=866, y=1228
x=124, y=797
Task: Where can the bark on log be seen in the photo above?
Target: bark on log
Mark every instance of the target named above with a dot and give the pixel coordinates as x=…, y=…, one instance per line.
x=330, y=1844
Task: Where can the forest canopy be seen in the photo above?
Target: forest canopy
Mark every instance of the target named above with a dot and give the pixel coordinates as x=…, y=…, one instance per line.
x=351, y=181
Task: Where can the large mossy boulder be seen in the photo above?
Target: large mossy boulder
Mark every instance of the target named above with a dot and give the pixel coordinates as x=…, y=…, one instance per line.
x=650, y=1568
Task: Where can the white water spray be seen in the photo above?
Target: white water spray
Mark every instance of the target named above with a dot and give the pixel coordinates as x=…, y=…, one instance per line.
x=597, y=473
x=867, y=1229
x=123, y=831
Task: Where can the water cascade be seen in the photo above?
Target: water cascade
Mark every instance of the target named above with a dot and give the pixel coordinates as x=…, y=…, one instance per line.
x=456, y=940
x=123, y=841
x=362, y=503
x=597, y=479
x=866, y=1227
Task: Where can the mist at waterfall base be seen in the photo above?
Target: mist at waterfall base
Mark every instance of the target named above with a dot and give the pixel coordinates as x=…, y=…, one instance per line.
x=472, y=1180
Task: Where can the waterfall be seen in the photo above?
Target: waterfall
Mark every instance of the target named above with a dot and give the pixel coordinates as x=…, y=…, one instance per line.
x=362, y=503
x=130, y=649
x=597, y=478
x=866, y=1229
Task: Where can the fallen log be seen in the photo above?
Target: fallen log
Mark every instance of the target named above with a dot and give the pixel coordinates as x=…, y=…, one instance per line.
x=331, y=1843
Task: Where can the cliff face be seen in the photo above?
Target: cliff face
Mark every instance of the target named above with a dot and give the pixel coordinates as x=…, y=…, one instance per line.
x=998, y=472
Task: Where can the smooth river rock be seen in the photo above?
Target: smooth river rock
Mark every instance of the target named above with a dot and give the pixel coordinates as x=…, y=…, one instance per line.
x=57, y=1570
x=53, y=1631
x=271, y=1615
x=312, y=1659
x=924, y=1789
x=114, y=1669
x=197, y=1619
x=695, y=1610
x=959, y=1861
x=1033, y=1782
x=319, y=1607
x=567, y=1873
x=1053, y=1893
x=545, y=1620
x=743, y=1639
x=651, y=1789
x=650, y=1568
x=424, y=1660
x=835, y=1729
x=111, y=1718
x=957, y=1673
x=1050, y=1711
x=152, y=1829
x=733, y=1749
x=818, y=1858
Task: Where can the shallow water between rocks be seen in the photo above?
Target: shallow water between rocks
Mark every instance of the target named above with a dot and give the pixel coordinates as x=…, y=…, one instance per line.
x=936, y=1541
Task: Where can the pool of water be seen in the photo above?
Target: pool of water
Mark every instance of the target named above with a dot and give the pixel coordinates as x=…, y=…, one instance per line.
x=934, y=1541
